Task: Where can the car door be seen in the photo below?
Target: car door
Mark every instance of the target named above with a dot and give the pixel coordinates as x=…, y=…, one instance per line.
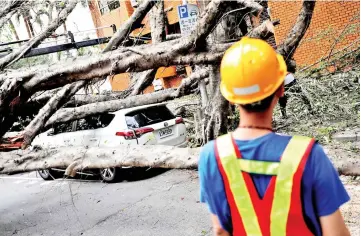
x=103, y=134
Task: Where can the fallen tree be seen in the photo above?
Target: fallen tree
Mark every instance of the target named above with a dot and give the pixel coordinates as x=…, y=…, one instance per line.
x=205, y=46
x=75, y=159
x=68, y=114
x=68, y=90
x=134, y=59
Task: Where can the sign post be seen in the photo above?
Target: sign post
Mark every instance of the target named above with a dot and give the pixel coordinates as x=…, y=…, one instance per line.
x=187, y=15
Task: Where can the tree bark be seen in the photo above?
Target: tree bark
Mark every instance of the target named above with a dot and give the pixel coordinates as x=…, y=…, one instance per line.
x=75, y=159
x=26, y=22
x=113, y=63
x=263, y=31
x=215, y=113
x=57, y=101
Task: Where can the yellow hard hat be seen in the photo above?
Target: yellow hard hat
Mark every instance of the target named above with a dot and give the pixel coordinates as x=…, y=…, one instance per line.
x=251, y=70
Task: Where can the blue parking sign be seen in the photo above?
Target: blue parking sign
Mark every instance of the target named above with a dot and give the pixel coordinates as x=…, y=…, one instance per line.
x=183, y=11
x=187, y=15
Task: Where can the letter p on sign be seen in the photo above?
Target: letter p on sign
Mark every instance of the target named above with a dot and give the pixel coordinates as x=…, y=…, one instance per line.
x=183, y=11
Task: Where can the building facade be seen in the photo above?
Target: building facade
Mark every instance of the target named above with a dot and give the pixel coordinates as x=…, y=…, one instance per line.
x=335, y=25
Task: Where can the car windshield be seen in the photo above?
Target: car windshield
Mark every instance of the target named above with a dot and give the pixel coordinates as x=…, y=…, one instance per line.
x=148, y=116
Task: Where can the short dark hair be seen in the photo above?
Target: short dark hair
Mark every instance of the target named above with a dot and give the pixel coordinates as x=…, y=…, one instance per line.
x=259, y=106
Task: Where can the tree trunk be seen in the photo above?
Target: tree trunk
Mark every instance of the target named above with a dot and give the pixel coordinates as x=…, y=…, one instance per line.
x=75, y=159
x=216, y=112
x=31, y=28
x=215, y=115
x=122, y=33
x=198, y=57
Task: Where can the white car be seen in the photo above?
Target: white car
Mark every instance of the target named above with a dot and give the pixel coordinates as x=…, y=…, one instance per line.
x=143, y=125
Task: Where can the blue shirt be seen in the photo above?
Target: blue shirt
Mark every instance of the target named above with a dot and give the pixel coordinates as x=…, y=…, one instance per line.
x=322, y=190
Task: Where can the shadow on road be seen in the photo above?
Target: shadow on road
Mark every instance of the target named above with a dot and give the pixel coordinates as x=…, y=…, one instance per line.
x=142, y=173
x=129, y=175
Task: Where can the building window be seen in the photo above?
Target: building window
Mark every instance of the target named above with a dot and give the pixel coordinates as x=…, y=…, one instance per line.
x=106, y=6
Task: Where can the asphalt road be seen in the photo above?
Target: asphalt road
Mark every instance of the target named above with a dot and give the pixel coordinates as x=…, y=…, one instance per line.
x=162, y=204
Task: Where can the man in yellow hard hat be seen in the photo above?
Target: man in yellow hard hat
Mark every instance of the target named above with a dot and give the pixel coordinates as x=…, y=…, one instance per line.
x=257, y=182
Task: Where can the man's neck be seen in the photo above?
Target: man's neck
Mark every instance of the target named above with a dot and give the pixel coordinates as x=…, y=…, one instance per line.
x=261, y=123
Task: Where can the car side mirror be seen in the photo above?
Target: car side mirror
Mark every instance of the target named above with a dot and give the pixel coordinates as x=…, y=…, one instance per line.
x=50, y=132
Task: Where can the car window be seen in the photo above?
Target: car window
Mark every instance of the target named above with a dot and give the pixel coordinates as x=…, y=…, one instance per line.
x=64, y=127
x=148, y=116
x=94, y=122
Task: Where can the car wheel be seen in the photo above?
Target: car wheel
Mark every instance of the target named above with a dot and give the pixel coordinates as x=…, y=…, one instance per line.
x=109, y=175
x=48, y=174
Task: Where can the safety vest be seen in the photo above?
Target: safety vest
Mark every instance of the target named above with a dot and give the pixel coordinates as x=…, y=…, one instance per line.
x=279, y=212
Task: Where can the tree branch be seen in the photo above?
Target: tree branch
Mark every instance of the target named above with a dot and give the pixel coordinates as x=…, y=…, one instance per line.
x=16, y=55
x=12, y=5
x=173, y=36
x=68, y=114
x=57, y=101
x=263, y=31
x=5, y=19
x=132, y=23
x=294, y=37
x=114, y=62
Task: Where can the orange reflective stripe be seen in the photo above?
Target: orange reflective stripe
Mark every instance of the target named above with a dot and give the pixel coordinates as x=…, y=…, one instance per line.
x=231, y=165
x=282, y=196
